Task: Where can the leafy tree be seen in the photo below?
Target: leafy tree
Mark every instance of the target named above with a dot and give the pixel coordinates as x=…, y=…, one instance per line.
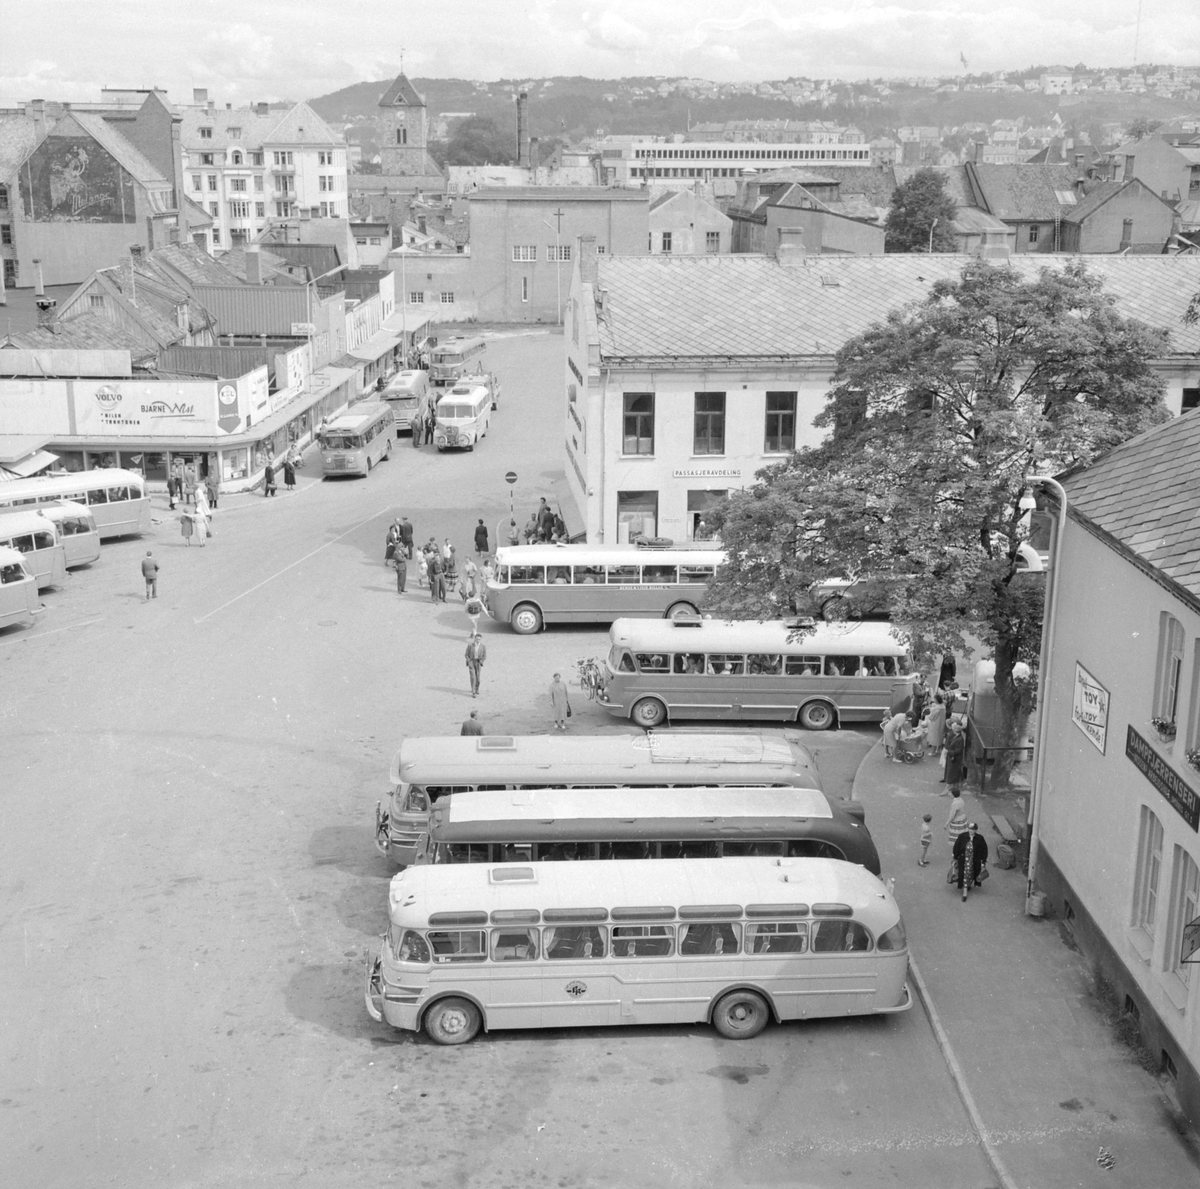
x=916, y=203
x=937, y=416
x=1142, y=128
x=480, y=141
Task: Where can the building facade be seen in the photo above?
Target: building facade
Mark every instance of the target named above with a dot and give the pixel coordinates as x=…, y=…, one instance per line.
x=404, y=132
x=683, y=223
x=653, y=159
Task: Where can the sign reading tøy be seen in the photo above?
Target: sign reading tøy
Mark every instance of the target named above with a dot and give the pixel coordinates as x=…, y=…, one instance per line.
x=1090, y=709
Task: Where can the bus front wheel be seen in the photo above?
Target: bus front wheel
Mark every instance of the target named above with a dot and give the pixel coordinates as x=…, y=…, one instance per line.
x=816, y=716
x=740, y=1015
x=648, y=713
x=527, y=620
x=452, y=1021
x=681, y=611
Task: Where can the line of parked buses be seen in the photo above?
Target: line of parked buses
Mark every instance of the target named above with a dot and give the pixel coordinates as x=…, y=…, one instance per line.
x=680, y=876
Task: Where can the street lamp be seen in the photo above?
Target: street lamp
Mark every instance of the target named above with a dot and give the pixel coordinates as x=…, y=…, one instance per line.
x=931, y=227
x=556, y=227
x=1027, y=504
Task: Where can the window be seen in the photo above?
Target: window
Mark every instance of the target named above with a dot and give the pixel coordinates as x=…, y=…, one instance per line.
x=260, y=210
x=721, y=664
x=206, y=134
x=1126, y=231
x=571, y=942
x=1185, y=907
x=643, y=941
x=1033, y=234
x=712, y=242
x=3, y=198
x=402, y=136
x=212, y=181
x=283, y=158
x=285, y=183
x=600, y=249
x=197, y=182
x=96, y=301
x=236, y=156
x=237, y=185
x=283, y=209
x=709, y=435
x=324, y=158
x=416, y=298
x=777, y=937
x=324, y=210
x=781, y=423
x=1149, y=867
x=514, y=945
x=639, y=423
x=5, y=233
x=653, y=662
x=559, y=253
x=1191, y=399
x=256, y=158
x=322, y=182
x=837, y=937
x=457, y=945
x=802, y=666
x=704, y=940
x=1170, y=666
x=447, y=295
x=524, y=288
x=637, y=516
x=666, y=241
x=239, y=210
x=524, y=253
x=206, y=158
x=214, y=209
x=216, y=234
x=258, y=182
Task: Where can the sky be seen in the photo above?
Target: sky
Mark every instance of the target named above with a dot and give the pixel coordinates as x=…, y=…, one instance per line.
x=297, y=49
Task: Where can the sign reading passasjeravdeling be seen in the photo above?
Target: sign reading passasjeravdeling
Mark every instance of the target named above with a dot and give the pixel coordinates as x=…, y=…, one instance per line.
x=1181, y=796
x=1090, y=709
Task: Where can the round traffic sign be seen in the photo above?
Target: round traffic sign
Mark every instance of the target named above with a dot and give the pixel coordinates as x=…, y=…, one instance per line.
x=511, y=477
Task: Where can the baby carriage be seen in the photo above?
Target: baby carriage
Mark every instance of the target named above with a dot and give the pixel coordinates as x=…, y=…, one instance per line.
x=911, y=748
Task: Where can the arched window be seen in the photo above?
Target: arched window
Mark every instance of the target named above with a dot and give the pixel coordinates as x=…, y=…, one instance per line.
x=237, y=158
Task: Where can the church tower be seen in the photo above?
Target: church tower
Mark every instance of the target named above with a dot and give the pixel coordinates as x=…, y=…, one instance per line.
x=405, y=125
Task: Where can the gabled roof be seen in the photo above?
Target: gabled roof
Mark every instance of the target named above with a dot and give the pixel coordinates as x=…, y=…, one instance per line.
x=87, y=332
x=253, y=128
x=302, y=125
x=274, y=269
x=114, y=143
x=189, y=263
x=1095, y=198
x=1145, y=495
x=1020, y=192
x=401, y=94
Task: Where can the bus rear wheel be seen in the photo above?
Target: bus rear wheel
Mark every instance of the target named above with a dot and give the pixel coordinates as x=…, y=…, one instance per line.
x=526, y=620
x=681, y=611
x=452, y=1021
x=740, y=1015
x=648, y=713
x=816, y=716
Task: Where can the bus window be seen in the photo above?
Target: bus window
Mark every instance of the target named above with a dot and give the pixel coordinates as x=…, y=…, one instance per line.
x=767, y=664
x=11, y=574
x=878, y=666
x=411, y=947
x=811, y=848
x=22, y=544
x=660, y=574
x=118, y=495
x=457, y=945
x=589, y=575
x=841, y=666
x=721, y=664
x=564, y=942
x=436, y=791
x=802, y=666
x=560, y=575
x=74, y=527
x=688, y=850
x=462, y=852
x=514, y=945
x=643, y=941
x=708, y=941
x=526, y=574
x=696, y=573
x=513, y=852
x=840, y=937
x=777, y=937
x=689, y=662
x=653, y=662
x=752, y=849
x=415, y=801
x=43, y=540
x=97, y=496
x=623, y=575
x=626, y=850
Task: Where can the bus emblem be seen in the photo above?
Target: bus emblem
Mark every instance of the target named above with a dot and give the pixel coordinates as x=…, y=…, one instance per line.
x=575, y=988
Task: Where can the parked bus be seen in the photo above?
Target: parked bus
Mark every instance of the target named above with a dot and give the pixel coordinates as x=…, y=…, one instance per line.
x=735, y=943
x=424, y=770
x=116, y=499
x=407, y=393
x=76, y=530
x=354, y=441
x=452, y=358
x=462, y=417
x=34, y=535
x=540, y=584
x=18, y=589
x=707, y=668
x=539, y=825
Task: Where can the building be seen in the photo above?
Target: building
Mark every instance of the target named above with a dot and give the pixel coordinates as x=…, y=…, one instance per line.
x=1118, y=217
x=1118, y=794
x=684, y=223
x=810, y=205
x=1031, y=199
x=254, y=167
x=523, y=240
x=374, y=242
x=1170, y=170
x=685, y=375
x=1058, y=80
x=404, y=132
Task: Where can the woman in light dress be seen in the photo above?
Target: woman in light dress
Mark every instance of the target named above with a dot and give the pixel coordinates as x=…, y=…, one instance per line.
x=201, y=514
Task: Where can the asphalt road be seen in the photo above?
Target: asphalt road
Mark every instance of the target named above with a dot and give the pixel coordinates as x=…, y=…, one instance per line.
x=189, y=886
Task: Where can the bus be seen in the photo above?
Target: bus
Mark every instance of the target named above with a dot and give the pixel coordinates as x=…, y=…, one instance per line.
x=539, y=584
x=34, y=535
x=116, y=499
x=407, y=393
x=546, y=825
x=462, y=417
x=354, y=441
x=819, y=676
x=425, y=769
x=76, y=530
x=18, y=589
x=735, y=943
x=453, y=357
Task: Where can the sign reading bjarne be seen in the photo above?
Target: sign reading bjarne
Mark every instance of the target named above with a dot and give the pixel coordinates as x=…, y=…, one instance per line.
x=1090, y=709
x=1158, y=772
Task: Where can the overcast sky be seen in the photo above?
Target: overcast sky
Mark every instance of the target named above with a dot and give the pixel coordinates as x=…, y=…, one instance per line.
x=245, y=50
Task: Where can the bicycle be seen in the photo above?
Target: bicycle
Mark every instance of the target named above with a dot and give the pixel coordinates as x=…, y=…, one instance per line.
x=591, y=676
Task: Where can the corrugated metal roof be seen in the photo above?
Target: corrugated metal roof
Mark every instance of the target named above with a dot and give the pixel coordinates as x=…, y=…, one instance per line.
x=255, y=309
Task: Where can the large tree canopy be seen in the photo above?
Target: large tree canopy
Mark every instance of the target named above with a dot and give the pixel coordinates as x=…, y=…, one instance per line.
x=916, y=204
x=480, y=141
x=937, y=416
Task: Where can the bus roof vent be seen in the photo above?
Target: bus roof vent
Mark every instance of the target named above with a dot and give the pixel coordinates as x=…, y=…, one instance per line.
x=687, y=621
x=496, y=743
x=777, y=910
x=654, y=912
x=832, y=910
x=512, y=875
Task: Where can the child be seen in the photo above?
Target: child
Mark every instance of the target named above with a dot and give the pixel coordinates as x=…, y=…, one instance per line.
x=926, y=839
x=422, y=569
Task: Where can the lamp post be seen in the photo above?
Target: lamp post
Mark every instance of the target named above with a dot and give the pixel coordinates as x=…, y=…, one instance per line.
x=931, y=227
x=1028, y=503
x=557, y=229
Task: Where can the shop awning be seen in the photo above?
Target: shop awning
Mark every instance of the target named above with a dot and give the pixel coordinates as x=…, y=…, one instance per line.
x=568, y=509
x=378, y=345
x=25, y=467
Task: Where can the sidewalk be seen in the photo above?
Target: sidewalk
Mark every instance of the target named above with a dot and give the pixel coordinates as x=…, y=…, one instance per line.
x=1052, y=1084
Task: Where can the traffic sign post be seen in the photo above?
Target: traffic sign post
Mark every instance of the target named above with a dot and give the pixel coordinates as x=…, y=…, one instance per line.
x=510, y=478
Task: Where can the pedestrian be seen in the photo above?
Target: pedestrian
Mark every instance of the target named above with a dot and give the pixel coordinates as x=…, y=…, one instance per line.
x=476, y=654
x=920, y=699
x=560, y=705
x=468, y=587
x=926, y=839
x=189, y=484
x=481, y=539
x=185, y=526
x=559, y=529
x=391, y=541
x=269, y=479
x=545, y=520
x=289, y=473
x=406, y=537
x=435, y=577
x=956, y=753
x=447, y=549
x=212, y=486
x=514, y=537
x=949, y=671
x=956, y=823
x=150, y=573
x=472, y=725
x=417, y=425
x=175, y=485
x=451, y=570
x=200, y=514
x=430, y=421
x=935, y=722
x=891, y=727
x=531, y=530
x=401, y=564
x=422, y=568
x=970, y=859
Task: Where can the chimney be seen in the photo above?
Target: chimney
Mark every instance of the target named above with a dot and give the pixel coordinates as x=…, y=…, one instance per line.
x=199, y=96
x=128, y=282
x=1079, y=162
x=522, y=129
x=791, y=251
x=253, y=265
x=45, y=305
x=533, y=156
x=208, y=106
x=37, y=109
x=262, y=109
x=39, y=289
x=588, y=260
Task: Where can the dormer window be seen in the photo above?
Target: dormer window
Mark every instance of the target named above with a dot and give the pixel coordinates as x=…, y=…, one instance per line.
x=234, y=133
x=206, y=134
x=237, y=158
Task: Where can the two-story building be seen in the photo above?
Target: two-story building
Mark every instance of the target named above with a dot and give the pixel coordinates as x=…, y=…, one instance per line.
x=683, y=222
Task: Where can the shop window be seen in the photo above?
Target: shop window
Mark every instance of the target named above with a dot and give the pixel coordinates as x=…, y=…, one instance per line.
x=1185, y=908
x=709, y=436
x=1149, y=868
x=1170, y=668
x=637, y=515
x=639, y=423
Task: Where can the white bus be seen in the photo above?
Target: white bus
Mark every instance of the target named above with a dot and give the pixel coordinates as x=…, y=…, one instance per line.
x=732, y=942
x=540, y=584
x=407, y=393
x=76, y=530
x=116, y=499
x=452, y=358
x=354, y=441
x=18, y=589
x=424, y=770
x=707, y=668
x=462, y=417
x=34, y=535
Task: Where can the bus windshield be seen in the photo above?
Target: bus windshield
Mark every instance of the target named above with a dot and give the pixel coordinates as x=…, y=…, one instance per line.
x=454, y=412
x=343, y=442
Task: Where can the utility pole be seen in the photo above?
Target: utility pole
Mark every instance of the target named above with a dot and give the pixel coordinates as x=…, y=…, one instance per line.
x=557, y=229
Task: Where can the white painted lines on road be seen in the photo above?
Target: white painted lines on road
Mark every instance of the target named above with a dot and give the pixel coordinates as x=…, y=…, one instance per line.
x=292, y=565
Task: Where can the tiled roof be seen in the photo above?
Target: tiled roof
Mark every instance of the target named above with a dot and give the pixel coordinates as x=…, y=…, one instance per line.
x=273, y=268
x=751, y=306
x=193, y=263
x=87, y=332
x=301, y=125
x=1020, y=191
x=1093, y=200
x=18, y=135
x=401, y=94
x=1145, y=494
x=874, y=181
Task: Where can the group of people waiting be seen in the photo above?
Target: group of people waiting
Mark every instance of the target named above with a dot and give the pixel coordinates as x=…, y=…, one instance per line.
x=439, y=566
x=183, y=483
x=544, y=524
